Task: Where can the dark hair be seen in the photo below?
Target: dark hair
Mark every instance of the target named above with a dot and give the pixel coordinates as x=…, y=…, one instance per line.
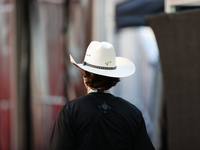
x=95, y=81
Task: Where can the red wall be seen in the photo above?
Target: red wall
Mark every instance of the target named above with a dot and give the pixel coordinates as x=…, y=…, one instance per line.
x=7, y=53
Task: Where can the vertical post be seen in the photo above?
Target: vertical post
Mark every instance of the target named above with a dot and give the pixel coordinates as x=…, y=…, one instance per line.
x=22, y=73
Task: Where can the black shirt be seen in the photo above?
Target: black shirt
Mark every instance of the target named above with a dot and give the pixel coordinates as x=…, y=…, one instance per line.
x=121, y=127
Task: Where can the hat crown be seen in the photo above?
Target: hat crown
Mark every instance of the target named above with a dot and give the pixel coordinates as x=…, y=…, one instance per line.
x=100, y=54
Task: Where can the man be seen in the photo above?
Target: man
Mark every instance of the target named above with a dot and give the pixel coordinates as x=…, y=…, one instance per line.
x=99, y=120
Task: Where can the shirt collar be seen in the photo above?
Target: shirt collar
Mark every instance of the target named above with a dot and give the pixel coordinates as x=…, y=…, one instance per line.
x=98, y=91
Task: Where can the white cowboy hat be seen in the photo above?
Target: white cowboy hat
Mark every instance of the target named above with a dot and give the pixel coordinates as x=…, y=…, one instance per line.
x=100, y=59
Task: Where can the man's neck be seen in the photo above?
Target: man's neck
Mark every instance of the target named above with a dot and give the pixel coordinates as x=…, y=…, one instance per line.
x=88, y=89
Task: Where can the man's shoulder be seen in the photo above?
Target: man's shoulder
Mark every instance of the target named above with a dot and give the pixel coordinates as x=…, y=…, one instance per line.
x=125, y=105
x=78, y=103
x=80, y=99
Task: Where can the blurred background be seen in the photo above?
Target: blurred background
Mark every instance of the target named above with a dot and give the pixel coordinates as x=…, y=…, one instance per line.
x=37, y=79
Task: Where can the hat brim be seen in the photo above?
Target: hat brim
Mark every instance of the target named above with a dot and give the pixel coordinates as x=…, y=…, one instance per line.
x=124, y=68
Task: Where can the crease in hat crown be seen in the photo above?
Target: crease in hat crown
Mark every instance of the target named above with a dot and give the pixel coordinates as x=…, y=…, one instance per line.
x=100, y=54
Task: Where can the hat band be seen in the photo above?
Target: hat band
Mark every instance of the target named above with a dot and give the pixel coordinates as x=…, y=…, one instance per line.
x=99, y=67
